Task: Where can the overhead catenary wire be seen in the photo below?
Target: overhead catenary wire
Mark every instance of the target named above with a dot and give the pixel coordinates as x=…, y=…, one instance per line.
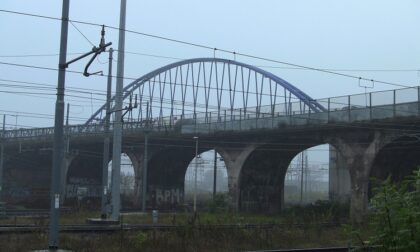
x=214, y=49
x=259, y=66
x=129, y=78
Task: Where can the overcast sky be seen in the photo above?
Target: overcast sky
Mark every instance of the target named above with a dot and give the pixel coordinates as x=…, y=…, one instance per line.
x=324, y=34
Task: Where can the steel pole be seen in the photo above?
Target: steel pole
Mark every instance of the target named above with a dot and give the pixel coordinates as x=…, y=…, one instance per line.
x=66, y=151
x=301, y=178
x=215, y=175
x=146, y=143
x=67, y=135
x=105, y=156
x=2, y=156
x=58, y=146
x=195, y=174
x=117, y=139
x=144, y=179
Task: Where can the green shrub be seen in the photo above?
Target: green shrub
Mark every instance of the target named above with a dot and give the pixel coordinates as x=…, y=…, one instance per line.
x=395, y=215
x=220, y=203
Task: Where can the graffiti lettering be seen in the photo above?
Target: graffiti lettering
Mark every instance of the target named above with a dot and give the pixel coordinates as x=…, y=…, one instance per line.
x=169, y=196
x=91, y=187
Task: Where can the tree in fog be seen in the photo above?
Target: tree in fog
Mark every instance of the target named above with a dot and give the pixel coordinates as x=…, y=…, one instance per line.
x=127, y=183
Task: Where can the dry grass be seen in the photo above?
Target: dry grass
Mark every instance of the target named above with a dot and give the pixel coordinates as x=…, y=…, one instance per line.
x=195, y=233
x=185, y=239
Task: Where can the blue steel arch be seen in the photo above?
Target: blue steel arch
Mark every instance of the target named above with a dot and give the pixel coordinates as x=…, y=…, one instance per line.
x=128, y=90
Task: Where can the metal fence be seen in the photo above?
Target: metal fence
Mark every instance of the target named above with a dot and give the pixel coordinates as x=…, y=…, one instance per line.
x=359, y=107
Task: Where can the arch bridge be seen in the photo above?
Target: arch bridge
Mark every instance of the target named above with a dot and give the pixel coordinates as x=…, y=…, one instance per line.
x=255, y=120
x=207, y=89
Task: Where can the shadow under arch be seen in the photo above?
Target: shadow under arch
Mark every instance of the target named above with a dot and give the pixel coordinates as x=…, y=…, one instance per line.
x=84, y=180
x=397, y=159
x=261, y=179
x=165, y=176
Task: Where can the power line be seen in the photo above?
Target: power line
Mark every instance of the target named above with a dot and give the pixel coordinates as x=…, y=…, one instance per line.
x=129, y=78
x=215, y=49
x=134, y=79
x=259, y=66
x=35, y=55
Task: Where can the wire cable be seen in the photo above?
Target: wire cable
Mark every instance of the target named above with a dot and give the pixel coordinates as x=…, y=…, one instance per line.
x=214, y=49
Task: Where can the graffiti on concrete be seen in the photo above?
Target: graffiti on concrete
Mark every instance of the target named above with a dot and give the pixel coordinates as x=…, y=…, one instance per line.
x=169, y=196
x=90, y=187
x=18, y=192
x=172, y=196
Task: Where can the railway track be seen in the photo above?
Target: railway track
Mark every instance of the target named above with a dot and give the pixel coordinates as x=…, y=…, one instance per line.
x=332, y=249
x=6, y=229
x=87, y=228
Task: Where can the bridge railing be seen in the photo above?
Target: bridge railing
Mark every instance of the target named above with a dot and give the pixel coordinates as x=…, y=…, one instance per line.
x=350, y=108
x=359, y=107
x=83, y=130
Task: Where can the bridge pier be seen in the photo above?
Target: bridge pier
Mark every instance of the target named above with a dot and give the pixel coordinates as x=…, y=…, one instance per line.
x=256, y=176
x=234, y=158
x=262, y=179
x=359, y=152
x=166, y=174
x=339, y=178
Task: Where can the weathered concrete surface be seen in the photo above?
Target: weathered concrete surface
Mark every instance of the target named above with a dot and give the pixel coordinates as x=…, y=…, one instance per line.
x=171, y=152
x=262, y=179
x=398, y=159
x=84, y=177
x=234, y=158
x=166, y=175
x=359, y=151
x=27, y=177
x=339, y=178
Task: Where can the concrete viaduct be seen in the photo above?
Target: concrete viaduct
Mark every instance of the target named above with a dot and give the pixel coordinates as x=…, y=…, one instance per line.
x=373, y=134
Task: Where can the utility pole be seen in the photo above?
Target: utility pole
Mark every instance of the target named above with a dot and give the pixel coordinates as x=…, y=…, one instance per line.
x=144, y=179
x=105, y=157
x=58, y=147
x=67, y=147
x=117, y=139
x=2, y=156
x=301, y=178
x=195, y=174
x=306, y=175
x=66, y=151
x=215, y=175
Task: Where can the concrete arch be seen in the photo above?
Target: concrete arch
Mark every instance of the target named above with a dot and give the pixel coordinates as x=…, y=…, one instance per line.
x=262, y=179
x=303, y=183
x=83, y=179
x=398, y=159
x=263, y=173
x=83, y=173
x=165, y=177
